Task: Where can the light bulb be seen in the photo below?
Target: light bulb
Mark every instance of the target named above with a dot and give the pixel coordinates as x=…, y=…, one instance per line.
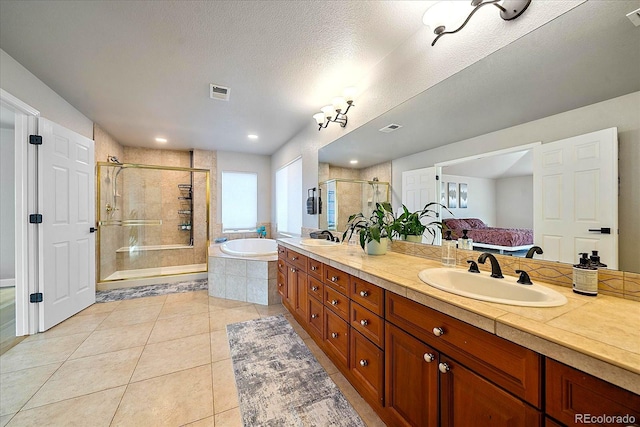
x=349, y=93
x=339, y=103
x=319, y=117
x=328, y=111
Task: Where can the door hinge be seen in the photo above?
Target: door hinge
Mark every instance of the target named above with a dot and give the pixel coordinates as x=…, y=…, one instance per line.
x=35, y=219
x=35, y=140
x=34, y=298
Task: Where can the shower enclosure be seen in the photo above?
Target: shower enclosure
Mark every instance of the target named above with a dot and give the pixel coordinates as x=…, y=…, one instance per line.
x=344, y=197
x=152, y=221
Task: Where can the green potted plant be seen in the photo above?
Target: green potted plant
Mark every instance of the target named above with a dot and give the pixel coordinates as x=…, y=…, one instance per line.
x=375, y=230
x=409, y=225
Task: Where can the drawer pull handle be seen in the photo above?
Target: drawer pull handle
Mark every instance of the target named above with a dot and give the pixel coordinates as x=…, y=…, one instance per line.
x=428, y=357
x=280, y=284
x=334, y=335
x=438, y=331
x=444, y=367
x=334, y=302
x=314, y=268
x=293, y=258
x=364, y=322
x=364, y=294
x=293, y=270
x=314, y=316
x=334, y=278
x=363, y=363
x=314, y=288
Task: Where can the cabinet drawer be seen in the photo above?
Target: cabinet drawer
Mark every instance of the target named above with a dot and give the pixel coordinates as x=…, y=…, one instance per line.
x=297, y=259
x=316, y=288
x=336, y=278
x=367, y=367
x=315, y=268
x=315, y=317
x=336, y=337
x=282, y=251
x=508, y=365
x=570, y=392
x=282, y=284
x=337, y=302
x=367, y=295
x=367, y=323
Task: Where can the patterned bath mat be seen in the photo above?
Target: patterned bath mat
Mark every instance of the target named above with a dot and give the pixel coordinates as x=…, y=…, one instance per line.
x=280, y=383
x=151, y=290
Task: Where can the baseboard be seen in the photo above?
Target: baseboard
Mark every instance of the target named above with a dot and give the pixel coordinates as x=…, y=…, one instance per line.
x=7, y=283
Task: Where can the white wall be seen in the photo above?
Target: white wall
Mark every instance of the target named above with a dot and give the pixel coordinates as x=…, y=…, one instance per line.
x=481, y=198
x=7, y=206
x=514, y=202
x=242, y=162
x=19, y=82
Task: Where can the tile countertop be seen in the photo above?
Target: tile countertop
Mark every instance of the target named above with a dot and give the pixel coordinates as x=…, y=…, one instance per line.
x=600, y=336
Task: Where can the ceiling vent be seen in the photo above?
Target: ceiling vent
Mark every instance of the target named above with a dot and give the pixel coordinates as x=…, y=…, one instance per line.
x=634, y=17
x=390, y=128
x=219, y=92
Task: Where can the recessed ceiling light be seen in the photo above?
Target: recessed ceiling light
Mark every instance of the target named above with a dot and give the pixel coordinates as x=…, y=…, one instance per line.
x=353, y=162
x=163, y=140
x=252, y=136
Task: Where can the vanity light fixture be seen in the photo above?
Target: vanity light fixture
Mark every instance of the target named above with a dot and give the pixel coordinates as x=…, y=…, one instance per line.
x=337, y=112
x=438, y=17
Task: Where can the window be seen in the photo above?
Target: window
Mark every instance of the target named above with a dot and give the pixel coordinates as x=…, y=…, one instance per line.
x=289, y=198
x=239, y=200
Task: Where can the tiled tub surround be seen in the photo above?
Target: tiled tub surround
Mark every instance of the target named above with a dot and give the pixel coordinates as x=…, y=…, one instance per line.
x=598, y=335
x=250, y=279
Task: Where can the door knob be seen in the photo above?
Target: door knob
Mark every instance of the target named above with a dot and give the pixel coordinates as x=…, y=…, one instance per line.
x=428, y=357
x=444, y=367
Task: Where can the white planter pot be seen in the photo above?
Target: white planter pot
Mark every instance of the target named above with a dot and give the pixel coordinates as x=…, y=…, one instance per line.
x=375, y=248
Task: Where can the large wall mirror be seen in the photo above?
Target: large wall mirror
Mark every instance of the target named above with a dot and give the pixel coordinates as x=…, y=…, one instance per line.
x=577, y=74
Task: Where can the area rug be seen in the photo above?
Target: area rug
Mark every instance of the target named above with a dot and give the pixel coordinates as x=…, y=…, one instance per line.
x=151, y=290
x=279, y=381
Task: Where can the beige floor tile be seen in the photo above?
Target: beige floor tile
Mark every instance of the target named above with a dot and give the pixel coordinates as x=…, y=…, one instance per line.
x=169, y=400
x=73, y=325
x=197, y=297
x=87, y=375
x=270, y=310
x=230, y=418
x=186, y=308
x=131, y=316
x=16, y=388
x=114, y=339
x=324, y=360
x=28, y=354
x=172, y=356
x=97, y=308
x=4, y=419
x=219, y=345
x=225, y=393
x=179, y=327
x=95, y=409
x=296, y=326
x=142, y=302
x=205, y=422
x=226, y=303
x=219, y=319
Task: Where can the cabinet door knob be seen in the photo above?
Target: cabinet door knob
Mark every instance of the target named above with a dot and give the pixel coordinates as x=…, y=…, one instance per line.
x=314, y=268
x=444, y=367
x=334, y=335
x=293, y=270
x=279, y=284
x=428, y=357
x=314, y=316
x=334, y=302
x=334, y=278
x=363, y=363
x=364, y=294
x=293, y=258
x=314, y=288
x=438, y=331
x=364, y=322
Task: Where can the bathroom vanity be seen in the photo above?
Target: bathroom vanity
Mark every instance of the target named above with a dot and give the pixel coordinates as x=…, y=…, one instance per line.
x=424, y=357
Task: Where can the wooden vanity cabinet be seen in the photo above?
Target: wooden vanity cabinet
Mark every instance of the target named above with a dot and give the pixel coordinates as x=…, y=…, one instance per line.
x=570, y=392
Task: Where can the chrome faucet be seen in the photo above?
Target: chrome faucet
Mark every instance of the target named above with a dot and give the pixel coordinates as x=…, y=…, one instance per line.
x=495, y=267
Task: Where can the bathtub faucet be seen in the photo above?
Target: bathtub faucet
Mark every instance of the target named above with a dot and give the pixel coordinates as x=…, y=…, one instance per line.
x=262, y=232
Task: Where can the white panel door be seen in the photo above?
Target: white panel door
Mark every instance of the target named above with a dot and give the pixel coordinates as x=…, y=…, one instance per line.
x=575, y=195
x=67, y=203
x=418, y=189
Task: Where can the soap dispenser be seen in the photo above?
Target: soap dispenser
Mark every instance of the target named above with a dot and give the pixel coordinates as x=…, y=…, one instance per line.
x=465, y=242
x=449, y=251
x=595, y=260
x=585, y=277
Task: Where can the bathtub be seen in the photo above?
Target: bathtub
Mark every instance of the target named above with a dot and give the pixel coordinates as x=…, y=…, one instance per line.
x=250, y=247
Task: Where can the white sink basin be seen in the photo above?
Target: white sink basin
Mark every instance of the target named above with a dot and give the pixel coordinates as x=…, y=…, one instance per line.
x=482, y=286
x=317, y=242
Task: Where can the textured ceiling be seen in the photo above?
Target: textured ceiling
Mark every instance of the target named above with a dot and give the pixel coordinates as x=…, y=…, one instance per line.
x=142, y=69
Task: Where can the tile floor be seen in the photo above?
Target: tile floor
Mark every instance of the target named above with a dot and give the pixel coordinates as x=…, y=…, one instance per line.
x=155, y=361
